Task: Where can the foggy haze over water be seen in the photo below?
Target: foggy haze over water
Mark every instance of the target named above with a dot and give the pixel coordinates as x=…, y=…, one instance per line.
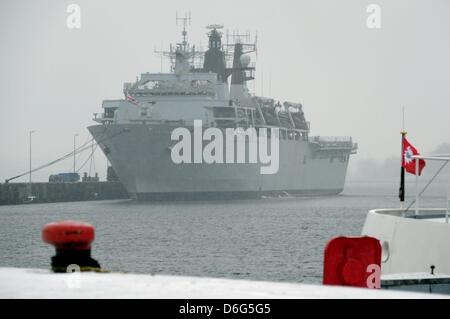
x=351, y=80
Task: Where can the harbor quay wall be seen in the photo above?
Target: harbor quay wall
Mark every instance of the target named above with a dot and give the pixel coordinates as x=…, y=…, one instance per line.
x=17, y=193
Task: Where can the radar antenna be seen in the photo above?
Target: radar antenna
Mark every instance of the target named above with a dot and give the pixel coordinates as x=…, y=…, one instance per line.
x=247, y=42
x=214, y=26
x=186, y=21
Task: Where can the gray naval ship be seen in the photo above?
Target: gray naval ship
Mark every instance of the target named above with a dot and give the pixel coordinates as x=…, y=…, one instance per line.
x=210, y=87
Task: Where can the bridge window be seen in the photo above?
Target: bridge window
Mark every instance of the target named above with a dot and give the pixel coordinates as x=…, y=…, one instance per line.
x=199, y=83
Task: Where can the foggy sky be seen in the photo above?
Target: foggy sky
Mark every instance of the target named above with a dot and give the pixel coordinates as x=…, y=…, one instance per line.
x=351, y=80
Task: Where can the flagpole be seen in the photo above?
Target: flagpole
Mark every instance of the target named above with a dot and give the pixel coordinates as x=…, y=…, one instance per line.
x=417, y=186
x=401, y=193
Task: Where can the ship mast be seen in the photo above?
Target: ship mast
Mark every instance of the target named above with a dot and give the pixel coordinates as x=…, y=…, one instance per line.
x=186, y=19
x=242, y=68
x=184, y=56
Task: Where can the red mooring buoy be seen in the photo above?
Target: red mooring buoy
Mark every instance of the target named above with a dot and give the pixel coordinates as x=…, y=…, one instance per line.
x=72, y=240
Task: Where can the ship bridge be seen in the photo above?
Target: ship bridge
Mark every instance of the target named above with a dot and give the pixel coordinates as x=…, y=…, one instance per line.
x=159, y=84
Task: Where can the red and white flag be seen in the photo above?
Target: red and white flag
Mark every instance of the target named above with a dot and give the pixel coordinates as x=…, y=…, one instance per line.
x=132, y=100
x=408, y=162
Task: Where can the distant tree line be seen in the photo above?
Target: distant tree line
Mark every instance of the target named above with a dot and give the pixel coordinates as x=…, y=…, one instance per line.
x=389, y=168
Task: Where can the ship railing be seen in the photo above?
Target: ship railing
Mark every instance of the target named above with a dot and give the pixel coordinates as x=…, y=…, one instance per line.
x=175, y=91
x=337, y=148
x=99, y=116
x=331, y=139
x=102, y=117
x=287, y=133
x=284, y=133
x=239, y=107
x=334, y=142
x=281, y=128
x=244, y=122
x=435, y=214
x=229, y=118
x=150, y=121
x=445, y=158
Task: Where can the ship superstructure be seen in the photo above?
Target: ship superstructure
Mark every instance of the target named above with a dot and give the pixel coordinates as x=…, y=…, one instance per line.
x=211, y=88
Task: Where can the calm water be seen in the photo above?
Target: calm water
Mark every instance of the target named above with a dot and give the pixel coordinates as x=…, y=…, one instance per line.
x=277, y=239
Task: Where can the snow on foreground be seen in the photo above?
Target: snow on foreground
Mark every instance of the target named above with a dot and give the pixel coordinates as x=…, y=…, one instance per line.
x=41, y=283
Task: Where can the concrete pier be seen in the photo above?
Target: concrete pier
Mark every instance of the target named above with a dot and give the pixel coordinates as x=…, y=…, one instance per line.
x=17, y=193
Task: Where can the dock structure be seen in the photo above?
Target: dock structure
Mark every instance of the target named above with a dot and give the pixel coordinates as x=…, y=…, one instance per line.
x=18, y=193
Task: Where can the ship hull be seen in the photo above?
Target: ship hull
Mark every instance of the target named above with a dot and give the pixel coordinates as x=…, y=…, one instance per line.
x=141, y=157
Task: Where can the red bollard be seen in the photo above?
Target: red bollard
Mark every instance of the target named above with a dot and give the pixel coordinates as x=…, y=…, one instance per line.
x=72, y=240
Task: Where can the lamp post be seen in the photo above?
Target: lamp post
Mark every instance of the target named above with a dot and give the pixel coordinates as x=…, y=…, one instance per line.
x=31, y=132
x=74, y=148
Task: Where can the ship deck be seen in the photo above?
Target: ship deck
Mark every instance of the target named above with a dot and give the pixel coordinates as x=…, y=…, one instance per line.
x=438, y=215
